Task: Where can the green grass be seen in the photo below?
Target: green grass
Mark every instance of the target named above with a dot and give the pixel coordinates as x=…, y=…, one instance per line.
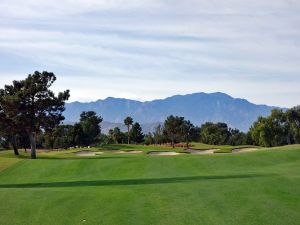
x=221, y=148
x=7, y=160
x=200, y=146
x=250, y=188
x=144, y=148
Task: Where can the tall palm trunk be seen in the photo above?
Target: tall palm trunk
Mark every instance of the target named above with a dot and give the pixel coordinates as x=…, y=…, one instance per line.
x=32, y=144
x=128, y=137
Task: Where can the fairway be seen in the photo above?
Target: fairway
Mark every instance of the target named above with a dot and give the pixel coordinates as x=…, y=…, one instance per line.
x=254, y=188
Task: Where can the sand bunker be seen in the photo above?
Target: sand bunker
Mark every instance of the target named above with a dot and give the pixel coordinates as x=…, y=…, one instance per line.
x=165, y=153
x=202, y=152
x=126, y=152
x=244, y=150
x=88, y=153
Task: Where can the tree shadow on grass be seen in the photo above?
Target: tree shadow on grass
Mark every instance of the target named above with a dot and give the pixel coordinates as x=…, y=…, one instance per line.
x=144, y=181
x=68, y=157
x=78, y=157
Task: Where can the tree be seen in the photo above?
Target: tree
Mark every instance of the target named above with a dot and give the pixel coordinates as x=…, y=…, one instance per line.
x=116, y=135
x=136, y=133
x=195, y=134
x=35, y=106
x=280, y=127
x=261, y=133
x=10, y=136
x=128, y=121
x=173, y=128
x=8, y=124
x=187, y=129
x=149, y=139
x=23, y=141
x=237, y=137
x=271, y=131
x=4, y=143
x=90, y=124
x=293, y=117
x=61, y=137
x=158, y=135
x=78, y=135
x=49, y=140
x=215, y=133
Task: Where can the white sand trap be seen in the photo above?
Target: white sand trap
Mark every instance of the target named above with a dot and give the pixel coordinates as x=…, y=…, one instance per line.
x=126, y=152
x=165, y=153
x=244, y=150
x=99, y=153
x=202, y=152
x=88, y=153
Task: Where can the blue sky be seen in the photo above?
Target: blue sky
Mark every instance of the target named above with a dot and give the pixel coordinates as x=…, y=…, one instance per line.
x=148, y=49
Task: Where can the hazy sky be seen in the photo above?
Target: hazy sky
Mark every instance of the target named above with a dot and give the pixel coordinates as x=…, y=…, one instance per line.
x=147, y=49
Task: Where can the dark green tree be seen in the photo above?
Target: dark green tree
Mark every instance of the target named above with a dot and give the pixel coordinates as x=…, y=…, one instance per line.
x=237, y=137
x=187, y=129
x=173, y=129
x=261, y=133
x=116, y=135
x=63, y=137
x=215, y=133
x=9, y=128
x=90, y=124
x=78, y=135
x=293, y=117
x=23, y=141
x=35, y=106
x=128, y=121
x=271, y=131
x=280, y=127
x=136, y=133
x=195, y=134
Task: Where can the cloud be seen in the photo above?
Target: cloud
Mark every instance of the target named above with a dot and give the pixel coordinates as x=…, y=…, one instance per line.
x=187, y=46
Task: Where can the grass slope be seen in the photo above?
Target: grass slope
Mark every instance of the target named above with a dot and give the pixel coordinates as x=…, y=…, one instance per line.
x=250, y=188
x=7, y=160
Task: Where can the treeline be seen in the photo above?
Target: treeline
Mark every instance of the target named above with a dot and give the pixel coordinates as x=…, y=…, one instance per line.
x=280, y=128
x=174, y=130
x=31, y=116
x=87, y=132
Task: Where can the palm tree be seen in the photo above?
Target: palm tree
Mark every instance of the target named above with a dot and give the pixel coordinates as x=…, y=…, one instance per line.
x=128, y=122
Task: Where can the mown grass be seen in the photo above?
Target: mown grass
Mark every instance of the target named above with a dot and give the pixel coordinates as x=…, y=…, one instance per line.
x=144, y=148
x=194, y=145
x=221, y=148
x=112, y=148
x=250, y=188
x=7, y=160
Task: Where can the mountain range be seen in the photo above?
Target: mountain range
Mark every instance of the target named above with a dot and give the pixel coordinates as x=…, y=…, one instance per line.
x=198, y=108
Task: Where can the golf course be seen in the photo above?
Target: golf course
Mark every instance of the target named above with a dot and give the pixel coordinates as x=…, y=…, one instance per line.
x=118, y=187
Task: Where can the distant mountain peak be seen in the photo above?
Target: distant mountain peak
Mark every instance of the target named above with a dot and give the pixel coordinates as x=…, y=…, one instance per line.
x=198, y=107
